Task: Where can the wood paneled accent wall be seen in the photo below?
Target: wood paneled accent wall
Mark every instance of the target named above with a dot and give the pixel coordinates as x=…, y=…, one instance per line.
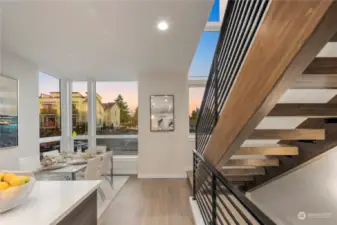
x=290, y=36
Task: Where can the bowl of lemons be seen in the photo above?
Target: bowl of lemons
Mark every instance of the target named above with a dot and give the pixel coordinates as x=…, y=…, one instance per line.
x=14, y=190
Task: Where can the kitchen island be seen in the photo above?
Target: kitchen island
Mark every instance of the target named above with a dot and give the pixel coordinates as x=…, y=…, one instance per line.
x=57, y=203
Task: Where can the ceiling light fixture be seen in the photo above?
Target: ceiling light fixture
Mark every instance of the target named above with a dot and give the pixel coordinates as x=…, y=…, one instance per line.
x=162, y=25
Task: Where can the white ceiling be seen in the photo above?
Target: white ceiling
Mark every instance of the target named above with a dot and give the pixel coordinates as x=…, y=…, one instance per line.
x=105, y=40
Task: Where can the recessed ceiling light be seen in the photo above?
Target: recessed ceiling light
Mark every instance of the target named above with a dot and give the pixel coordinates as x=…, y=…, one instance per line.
x=162, y=25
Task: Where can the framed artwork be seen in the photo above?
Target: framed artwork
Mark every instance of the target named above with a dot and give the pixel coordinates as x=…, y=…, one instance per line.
x=8, y=112
x=162, y=113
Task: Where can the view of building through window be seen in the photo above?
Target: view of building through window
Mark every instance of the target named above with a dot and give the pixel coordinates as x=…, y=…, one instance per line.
x=50, y=106
x=116, y=108
x=120, y=146
x=195, y=99
x=80, y=108
x=204, y=54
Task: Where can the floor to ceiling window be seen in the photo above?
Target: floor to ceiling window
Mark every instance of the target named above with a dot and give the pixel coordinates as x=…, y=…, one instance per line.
x=79, y=108
x=202, y=61
x=50, y=113
x=214, y=16
x=50, y=109
x=204, y=55
x=195, y=99
x=117, y=116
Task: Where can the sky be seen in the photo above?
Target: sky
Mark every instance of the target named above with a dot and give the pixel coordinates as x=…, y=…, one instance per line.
x=129, y=90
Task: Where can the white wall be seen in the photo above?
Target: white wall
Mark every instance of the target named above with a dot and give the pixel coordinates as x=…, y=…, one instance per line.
x=311, y=189
x=27, y=73
x=163, y=155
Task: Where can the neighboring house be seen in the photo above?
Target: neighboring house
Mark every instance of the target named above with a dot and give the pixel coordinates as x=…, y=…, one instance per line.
x=50, y=110
x=112, y=114
x=106, y=113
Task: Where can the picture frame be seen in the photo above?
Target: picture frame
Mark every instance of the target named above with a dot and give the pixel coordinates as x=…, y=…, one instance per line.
x=162, y=113
x=9, y=97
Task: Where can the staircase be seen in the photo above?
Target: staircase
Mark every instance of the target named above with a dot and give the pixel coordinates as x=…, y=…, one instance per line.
x=267, y=51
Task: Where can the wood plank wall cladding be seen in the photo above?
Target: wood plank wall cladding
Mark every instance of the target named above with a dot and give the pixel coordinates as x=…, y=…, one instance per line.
x=291, y=34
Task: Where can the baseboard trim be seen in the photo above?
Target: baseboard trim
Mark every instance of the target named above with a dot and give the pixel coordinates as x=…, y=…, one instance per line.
x=198, y=220
x=161, y=176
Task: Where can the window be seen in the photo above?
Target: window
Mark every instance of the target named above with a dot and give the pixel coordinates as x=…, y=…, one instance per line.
x=50, y=107
x=195, y=99
x=120, y=146
x=80, y=108
x=204, y=55
x=214, y=16
x=116, y=108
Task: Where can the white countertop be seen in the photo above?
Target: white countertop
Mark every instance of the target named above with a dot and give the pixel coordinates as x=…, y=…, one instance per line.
x=49, y=202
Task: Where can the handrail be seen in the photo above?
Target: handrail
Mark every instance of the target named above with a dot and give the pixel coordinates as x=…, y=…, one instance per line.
x=219, y=179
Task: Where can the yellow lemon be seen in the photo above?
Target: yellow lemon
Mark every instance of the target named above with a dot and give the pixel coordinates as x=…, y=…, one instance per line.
x=8, y=177
x=17, y=181
x=2, y=177
x=25, y=179
x=3, y=186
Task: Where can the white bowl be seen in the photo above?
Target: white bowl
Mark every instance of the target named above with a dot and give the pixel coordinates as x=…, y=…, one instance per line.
x=15, y=196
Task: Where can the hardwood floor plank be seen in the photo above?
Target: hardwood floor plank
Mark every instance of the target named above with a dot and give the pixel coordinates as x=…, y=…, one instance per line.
x=306, y=110
x=150, y=202
x=295, y=134
x=268, y=150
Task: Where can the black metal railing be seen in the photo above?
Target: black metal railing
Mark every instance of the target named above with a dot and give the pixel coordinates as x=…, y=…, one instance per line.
x=219, y=201
x=240, y=23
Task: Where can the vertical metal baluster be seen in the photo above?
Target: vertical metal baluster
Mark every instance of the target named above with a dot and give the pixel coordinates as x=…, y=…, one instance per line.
x=194, y=181
x=214, y=199
x=216, y=94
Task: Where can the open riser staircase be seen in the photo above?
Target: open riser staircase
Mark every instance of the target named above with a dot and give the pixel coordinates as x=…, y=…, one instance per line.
x=265, y=49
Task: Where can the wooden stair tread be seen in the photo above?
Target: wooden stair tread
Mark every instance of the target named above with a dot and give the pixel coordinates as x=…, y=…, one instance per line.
x=253, y=162
x=288, y=134
x=311, y=110
x=315, y=81
x=322, y=65
x=243, y=172
x=268, y=150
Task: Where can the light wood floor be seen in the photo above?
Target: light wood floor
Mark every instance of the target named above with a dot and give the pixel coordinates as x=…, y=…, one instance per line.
x=150, y=202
